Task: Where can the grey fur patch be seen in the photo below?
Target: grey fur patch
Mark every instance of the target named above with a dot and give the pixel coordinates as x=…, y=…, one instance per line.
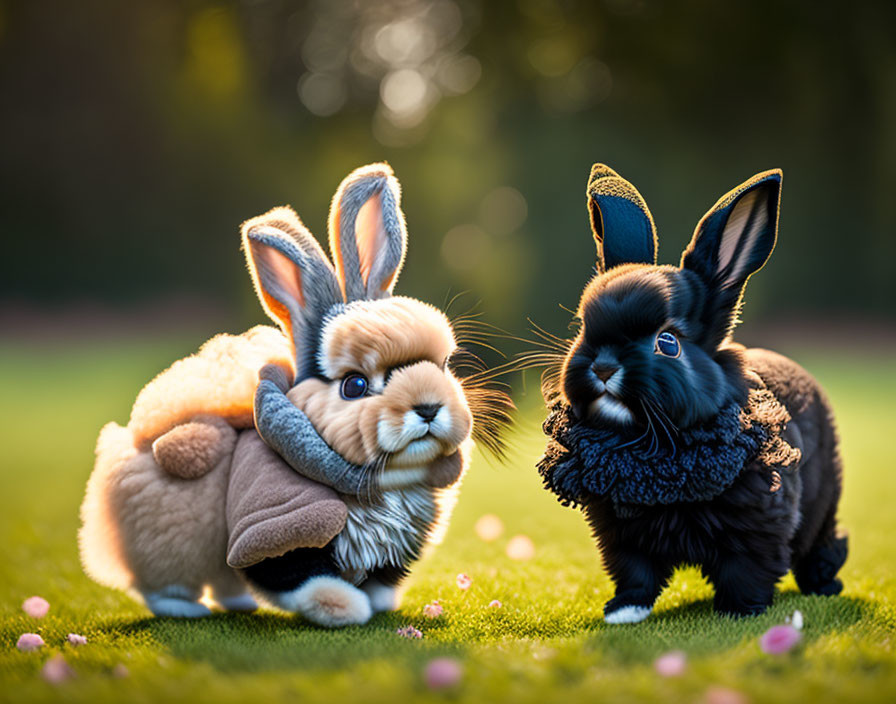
x=292, y=269
x=391, y=532
x=291, y=435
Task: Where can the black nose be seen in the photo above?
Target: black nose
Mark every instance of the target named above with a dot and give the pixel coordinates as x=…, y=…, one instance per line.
x=428, y=411
x=604, y=372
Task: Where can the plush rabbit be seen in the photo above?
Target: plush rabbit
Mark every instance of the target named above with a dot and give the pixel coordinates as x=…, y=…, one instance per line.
x=681, y=446
x=363, y=433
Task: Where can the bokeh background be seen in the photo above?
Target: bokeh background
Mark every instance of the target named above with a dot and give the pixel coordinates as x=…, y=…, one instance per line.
x=136, y=136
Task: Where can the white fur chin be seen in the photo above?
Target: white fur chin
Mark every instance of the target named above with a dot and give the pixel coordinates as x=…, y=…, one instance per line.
x=416, y=453
x=628, y=614
x=400, y=478
x=382, y=598
x=610, y=408
x=327, y=601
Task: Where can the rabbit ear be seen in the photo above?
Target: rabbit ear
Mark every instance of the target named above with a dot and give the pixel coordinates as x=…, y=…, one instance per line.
x=368, y=237
x=293, y=279
x=733, y=241
x=622, y=225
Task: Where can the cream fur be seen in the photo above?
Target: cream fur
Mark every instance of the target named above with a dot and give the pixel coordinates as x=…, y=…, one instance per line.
x=219, y=380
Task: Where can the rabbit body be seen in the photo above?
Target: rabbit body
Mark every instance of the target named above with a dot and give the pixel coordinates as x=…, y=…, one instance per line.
x=319, y=484
x=681, y=446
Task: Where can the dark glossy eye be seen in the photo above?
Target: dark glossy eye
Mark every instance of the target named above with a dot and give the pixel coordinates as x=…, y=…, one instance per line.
x=354, y=386
x=667, y=345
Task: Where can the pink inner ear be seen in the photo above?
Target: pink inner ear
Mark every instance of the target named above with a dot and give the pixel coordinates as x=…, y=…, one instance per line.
x=735, y=233
x=370, y=234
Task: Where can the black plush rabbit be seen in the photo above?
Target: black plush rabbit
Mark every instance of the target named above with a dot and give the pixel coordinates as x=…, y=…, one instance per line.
x=681, y=446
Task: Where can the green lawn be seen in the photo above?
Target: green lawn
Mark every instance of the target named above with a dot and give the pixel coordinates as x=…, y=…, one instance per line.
x=546, y=643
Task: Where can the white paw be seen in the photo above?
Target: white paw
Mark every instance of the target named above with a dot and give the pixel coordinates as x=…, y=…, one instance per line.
x=628, y=614
x=382, y=597
x=242, y=602
x=175, y=602
x=327, y=601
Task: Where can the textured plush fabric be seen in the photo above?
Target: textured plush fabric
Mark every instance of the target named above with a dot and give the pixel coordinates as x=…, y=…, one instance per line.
x=288, y=431
x=272, y=509
x=583, y=462
x=192, y=449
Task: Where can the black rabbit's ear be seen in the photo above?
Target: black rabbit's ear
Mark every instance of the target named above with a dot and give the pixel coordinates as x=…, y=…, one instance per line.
x=368, y=237
x=733, y=241
x=293, y=279
x=623, y=226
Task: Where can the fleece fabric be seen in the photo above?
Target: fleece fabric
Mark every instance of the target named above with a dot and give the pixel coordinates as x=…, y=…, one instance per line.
x=272, y=509
x=704, y=460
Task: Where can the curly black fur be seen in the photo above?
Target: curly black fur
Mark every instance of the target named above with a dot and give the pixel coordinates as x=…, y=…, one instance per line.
x=695, y=451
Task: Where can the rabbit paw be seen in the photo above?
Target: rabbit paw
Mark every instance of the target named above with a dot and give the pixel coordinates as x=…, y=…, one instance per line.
x=327, y=601
x=175, y=602
x=382, y=597
x=631, y=613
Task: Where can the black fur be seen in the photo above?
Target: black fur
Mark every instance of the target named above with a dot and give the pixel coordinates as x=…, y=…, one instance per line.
x=759, y=516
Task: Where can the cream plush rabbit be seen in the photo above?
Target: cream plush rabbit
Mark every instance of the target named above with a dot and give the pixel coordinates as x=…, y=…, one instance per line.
x=363, y=433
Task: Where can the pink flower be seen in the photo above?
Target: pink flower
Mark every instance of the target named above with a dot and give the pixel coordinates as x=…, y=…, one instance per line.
x=409, y=632
x=721, y=695
x=779, y=639
x=75, y=639
x=671, y=664
x=29, y=641
x=433, y=610
x=464, y=581
x=494, y=604
x=443, y=673
x=56, y=670
x=36, y=606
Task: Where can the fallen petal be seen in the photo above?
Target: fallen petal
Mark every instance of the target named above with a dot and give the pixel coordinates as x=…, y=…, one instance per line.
x=120, y=671
x=75, y=639
x=797, y=620
x=464, y=581
x=779, y=639
x=409, y=632
x=494, y=604
x=36, y=606
x=29, y=641
x=443, y=673
x=671, y=664
x=56, y=670
x=433, y=610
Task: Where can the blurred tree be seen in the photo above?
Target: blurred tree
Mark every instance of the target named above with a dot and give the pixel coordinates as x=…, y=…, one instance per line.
x=134, y=137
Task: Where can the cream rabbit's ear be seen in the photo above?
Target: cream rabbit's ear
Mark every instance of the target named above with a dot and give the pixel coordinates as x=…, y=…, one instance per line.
x=293, y=278
x=368, y=236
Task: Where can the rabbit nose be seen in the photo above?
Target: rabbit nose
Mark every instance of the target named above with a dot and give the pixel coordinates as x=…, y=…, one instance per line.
x=428, y=411
x=604, y=372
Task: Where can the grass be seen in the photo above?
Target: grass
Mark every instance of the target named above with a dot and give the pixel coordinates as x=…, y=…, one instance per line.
x=546, y=643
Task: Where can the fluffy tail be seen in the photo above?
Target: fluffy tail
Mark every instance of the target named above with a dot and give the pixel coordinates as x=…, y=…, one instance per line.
x=99, y=538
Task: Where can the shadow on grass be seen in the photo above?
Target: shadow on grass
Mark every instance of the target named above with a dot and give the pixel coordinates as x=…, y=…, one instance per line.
x=271, y=641
x=698, y=630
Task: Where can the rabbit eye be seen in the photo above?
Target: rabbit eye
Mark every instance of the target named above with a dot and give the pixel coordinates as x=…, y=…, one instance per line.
x=667, y=345
x=354, y=386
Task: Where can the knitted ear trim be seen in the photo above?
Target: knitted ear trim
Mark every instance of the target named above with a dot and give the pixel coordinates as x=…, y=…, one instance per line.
x=581, y=461
x=623, y=227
